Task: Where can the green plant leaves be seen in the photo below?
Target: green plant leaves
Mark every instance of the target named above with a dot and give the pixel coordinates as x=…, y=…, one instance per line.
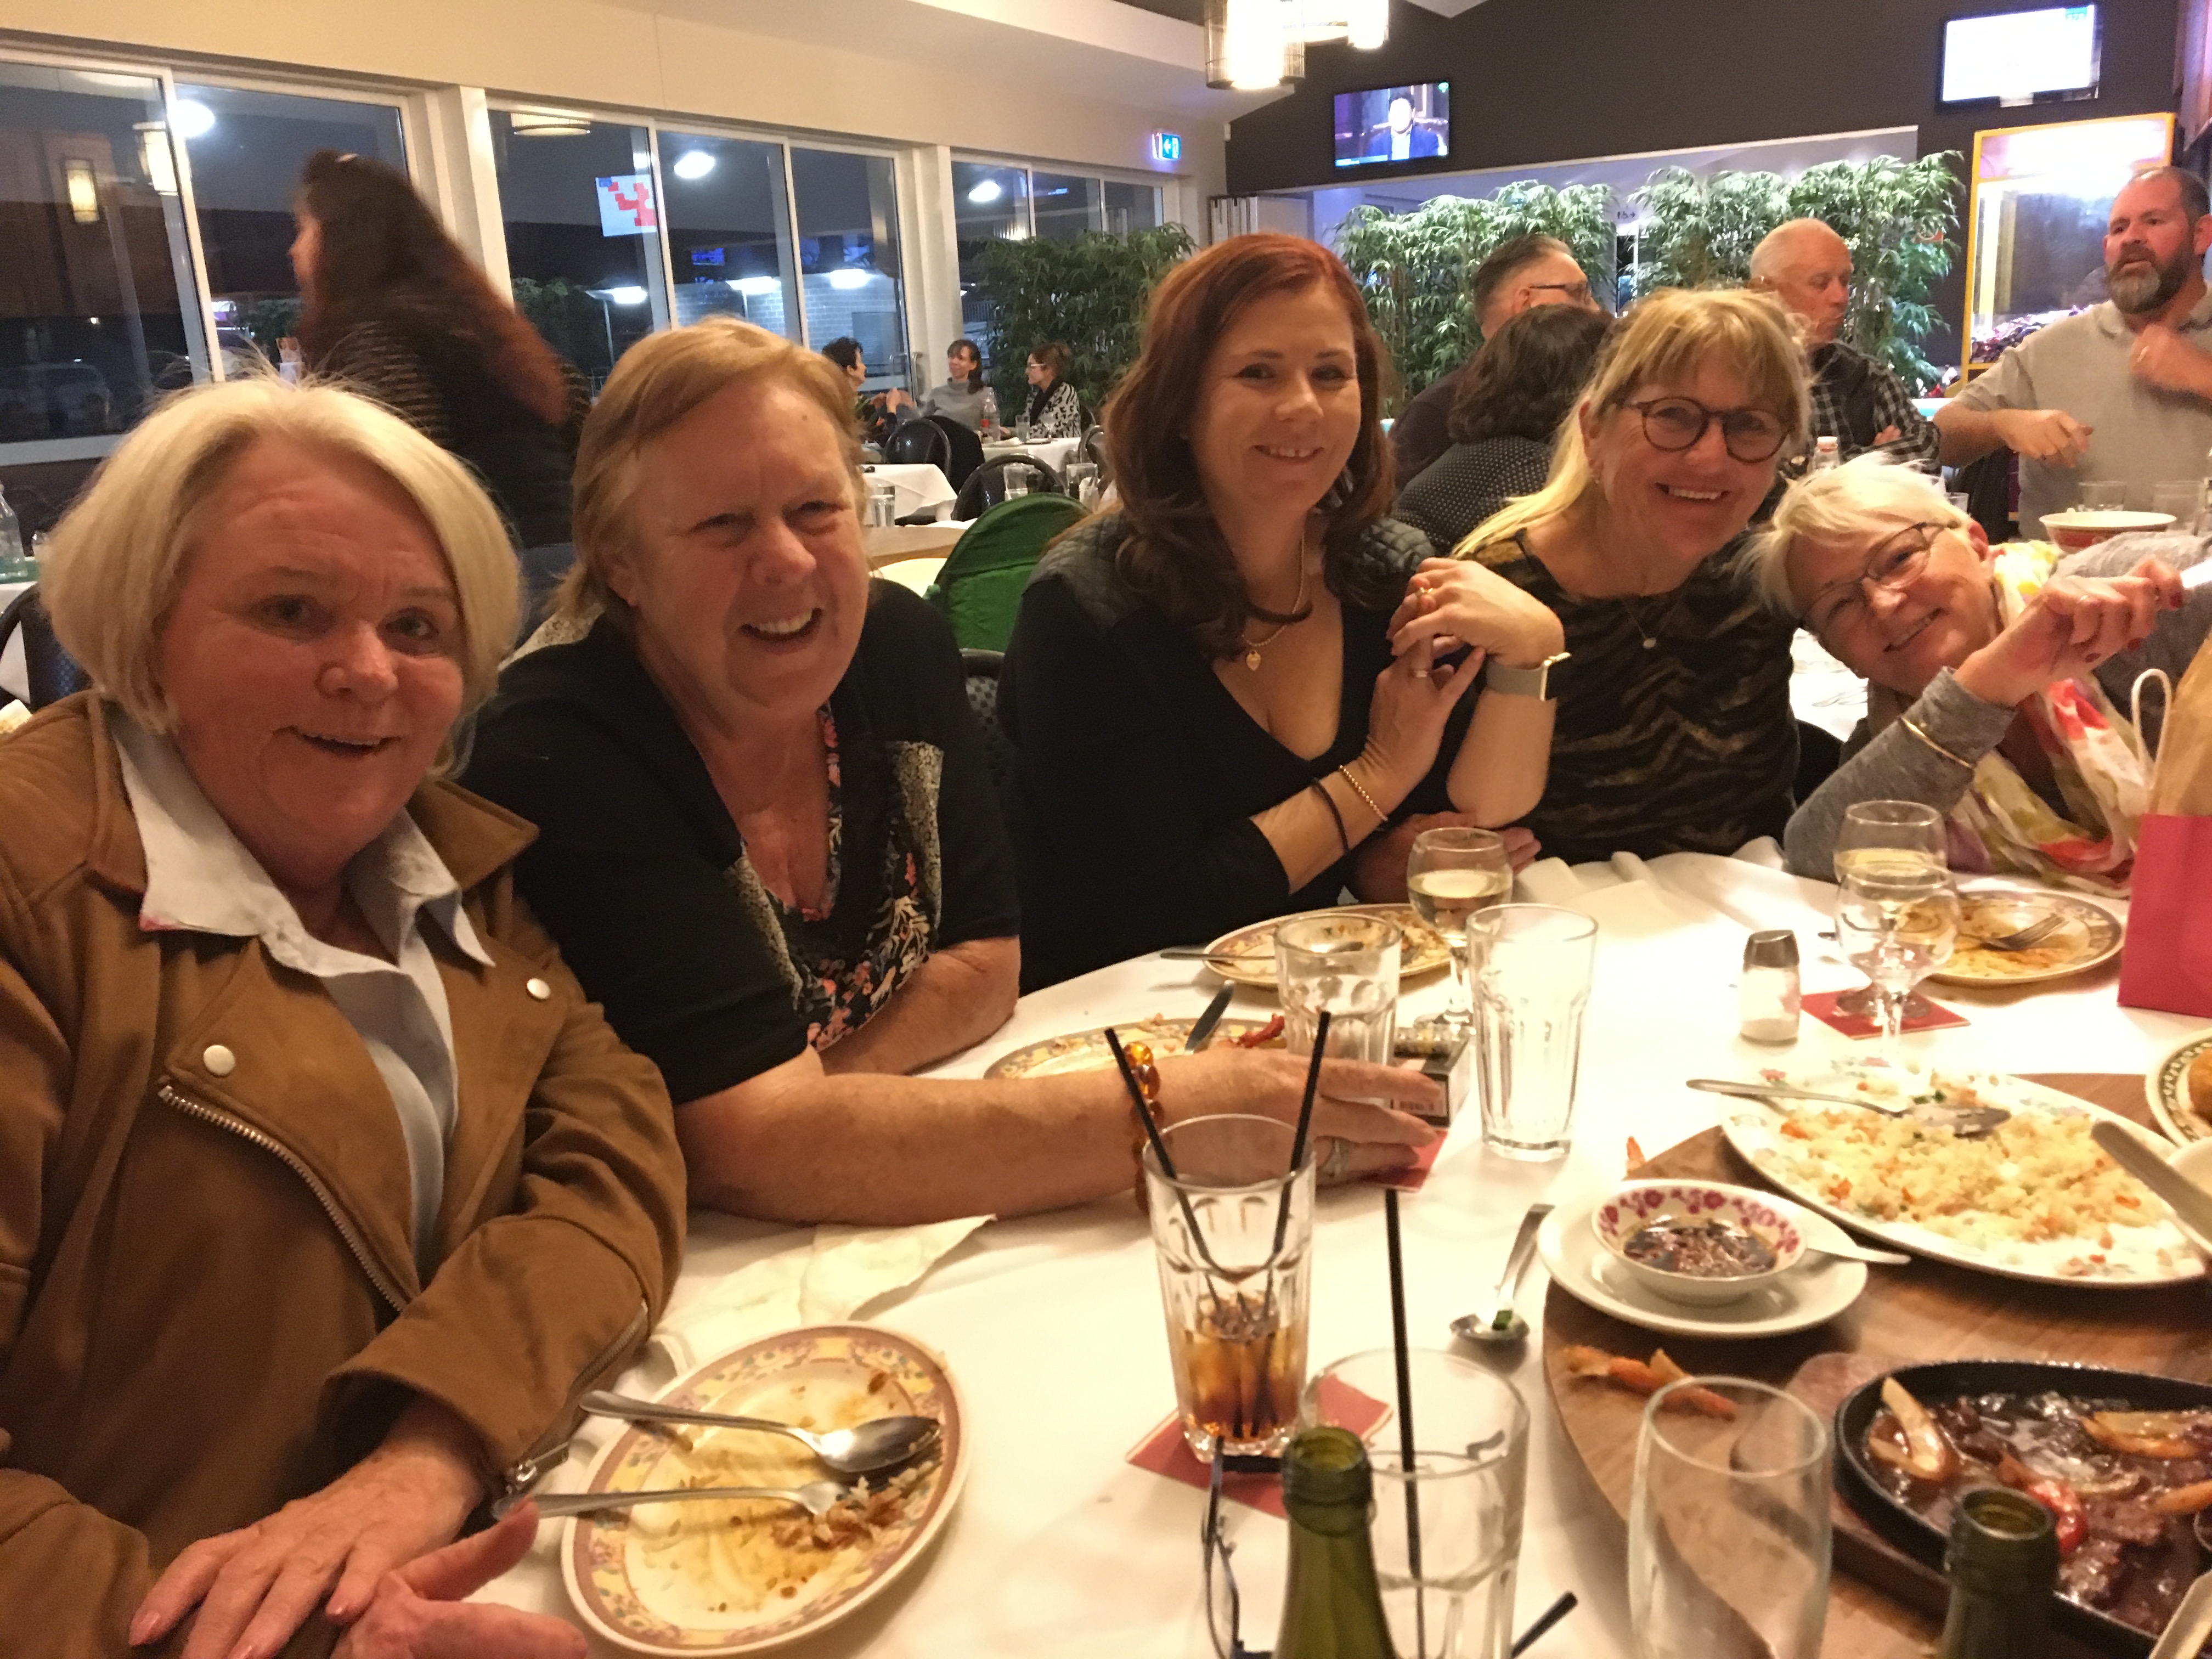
x=1088, y=292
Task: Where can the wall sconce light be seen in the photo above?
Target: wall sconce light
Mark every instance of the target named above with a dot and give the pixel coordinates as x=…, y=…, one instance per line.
x=549, y=123
x=83, y=191
x=154, y=155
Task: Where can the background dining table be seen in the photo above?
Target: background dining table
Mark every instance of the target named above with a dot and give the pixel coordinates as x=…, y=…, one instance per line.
x=1052, y=1327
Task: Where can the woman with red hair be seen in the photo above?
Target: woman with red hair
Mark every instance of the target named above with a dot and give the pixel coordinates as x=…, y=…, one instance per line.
x=1222, y=687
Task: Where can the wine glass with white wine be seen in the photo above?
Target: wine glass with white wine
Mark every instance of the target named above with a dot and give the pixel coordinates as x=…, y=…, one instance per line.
x=1896, y=922
x=1449, y=876
x=1896, y=835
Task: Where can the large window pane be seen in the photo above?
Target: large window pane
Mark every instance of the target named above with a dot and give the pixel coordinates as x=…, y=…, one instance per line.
x=989, y=203
x=729, y=231
x=1131, y=207
x=96, y=309
x=1066, y=205
x=848, y=249
x=590, y=281
x=248, y=149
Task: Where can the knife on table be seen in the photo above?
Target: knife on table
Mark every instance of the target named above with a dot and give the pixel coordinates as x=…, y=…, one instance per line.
x=1202, y=1032
x=2189, y=1201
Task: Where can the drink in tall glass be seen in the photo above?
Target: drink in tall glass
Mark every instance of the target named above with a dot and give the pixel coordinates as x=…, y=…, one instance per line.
x=1530, y=965
x=1347, y=964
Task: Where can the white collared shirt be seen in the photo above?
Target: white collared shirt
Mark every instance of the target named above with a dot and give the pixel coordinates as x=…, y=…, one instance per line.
x=200, y=877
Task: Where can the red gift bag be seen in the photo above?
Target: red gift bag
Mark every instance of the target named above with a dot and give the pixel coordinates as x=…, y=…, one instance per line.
x=2167, y=963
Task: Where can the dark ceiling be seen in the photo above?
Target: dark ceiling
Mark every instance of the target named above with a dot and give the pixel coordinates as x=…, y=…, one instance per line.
x=1190, y=11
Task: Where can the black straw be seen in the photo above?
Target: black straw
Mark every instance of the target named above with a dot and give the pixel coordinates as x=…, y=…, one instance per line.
x=1558, y=1610
x=1305, y=1122
x=1160, y=1148
x=1406, y=1418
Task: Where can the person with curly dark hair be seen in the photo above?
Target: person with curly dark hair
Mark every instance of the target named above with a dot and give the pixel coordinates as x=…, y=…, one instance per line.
x=1222, y=687
x=396, y=310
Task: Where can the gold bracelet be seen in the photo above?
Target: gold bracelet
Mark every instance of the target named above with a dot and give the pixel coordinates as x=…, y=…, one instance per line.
x=1956, y=760
x=1381, y=817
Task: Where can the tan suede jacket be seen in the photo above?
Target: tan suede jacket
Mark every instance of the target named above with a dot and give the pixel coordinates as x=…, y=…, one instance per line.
x=208, y=1299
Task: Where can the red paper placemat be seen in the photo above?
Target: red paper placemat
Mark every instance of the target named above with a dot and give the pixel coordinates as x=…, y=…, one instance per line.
x=1164, y=1452
x=1410, y=1179
x=1823, y=1008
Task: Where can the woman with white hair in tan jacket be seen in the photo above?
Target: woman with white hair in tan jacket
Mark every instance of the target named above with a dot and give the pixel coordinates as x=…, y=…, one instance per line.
x=324, y=1193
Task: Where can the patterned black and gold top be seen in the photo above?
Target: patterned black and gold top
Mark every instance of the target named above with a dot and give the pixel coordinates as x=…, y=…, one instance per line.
x=641, y=876
x=1685, y=745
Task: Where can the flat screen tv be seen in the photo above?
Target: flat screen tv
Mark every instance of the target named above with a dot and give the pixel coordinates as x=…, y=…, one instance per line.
x=2021, y=57
x=1393, y=124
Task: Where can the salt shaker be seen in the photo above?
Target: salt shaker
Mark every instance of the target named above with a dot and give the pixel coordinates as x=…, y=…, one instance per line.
x=1767, y=996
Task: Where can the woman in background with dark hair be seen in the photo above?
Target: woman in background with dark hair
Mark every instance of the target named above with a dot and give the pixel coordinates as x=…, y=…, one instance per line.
x=399, y=312
x=1054, y=409
x=1222, y=689
x=963, y=397
x=1511, y=400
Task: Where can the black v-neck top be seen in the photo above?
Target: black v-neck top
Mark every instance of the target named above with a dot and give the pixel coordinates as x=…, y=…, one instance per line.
x=1132, y=802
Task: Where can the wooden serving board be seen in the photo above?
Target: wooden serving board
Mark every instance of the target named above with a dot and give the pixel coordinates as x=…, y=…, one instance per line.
x=1882, y=1604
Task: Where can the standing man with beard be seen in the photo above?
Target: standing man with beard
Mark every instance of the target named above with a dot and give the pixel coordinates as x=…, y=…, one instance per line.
x=2122, y=392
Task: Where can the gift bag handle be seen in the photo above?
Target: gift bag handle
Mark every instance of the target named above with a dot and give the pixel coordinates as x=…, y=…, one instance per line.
x=2135, y=710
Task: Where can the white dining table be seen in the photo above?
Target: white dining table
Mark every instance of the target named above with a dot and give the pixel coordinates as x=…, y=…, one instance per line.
x=1052, y=1327
x=1054, y=453
x=919, y=486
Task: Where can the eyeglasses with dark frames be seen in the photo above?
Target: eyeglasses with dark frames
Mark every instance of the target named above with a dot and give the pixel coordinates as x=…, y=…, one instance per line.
x=1894, y=565
x=1674, y=424
x=1577, y=292
x=1224, y=1609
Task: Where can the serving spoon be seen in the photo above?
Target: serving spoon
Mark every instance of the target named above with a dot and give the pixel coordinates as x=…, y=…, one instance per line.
x=865, y=1447
x=1966, y=1122
x=816, y=1498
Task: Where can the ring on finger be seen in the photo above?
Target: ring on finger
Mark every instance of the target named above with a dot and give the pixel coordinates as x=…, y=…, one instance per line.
x=1419, y=673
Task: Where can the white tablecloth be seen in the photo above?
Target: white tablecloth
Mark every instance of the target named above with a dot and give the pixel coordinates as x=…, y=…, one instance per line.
x=918, y=486
x=1054, y=453
x=1052, y=1325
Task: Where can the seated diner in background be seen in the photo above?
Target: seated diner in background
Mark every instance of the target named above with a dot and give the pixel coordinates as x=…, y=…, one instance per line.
x=1998, y=680
x=1054, y=409
x=965, y=396
x=2122, y=392
x=1511, y=400
x=1222, y=689
x=1674, y=732
x=768, y=840
x=877, y=415
x=1524, y=273
x=323, y=1192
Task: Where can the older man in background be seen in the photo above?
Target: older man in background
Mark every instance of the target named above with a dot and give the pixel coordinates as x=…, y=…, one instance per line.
x=1857, y=400
x=1519, y=274
x=2121, y=393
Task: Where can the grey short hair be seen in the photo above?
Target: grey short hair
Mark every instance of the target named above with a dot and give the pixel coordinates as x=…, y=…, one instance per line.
x=1507, y=260
x=1869, y=493
x=111, y=576
x=2195, y=201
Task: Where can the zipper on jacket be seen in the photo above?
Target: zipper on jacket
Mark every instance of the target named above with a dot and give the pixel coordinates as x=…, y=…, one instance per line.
x=223, y=1120
x=523, y=1474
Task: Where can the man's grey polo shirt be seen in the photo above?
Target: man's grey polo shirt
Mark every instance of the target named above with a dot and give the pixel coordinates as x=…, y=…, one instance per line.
x=2139, y=436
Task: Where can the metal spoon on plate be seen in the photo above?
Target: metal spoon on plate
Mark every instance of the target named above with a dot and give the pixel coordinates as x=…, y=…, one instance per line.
x=1966, y=1122
x=816, y=1497
x=865, y=1447
x=1505, y=1325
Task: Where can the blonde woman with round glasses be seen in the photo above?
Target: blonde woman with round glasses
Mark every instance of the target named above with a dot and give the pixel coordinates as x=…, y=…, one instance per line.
x=1674, y=731
x=1998, y=678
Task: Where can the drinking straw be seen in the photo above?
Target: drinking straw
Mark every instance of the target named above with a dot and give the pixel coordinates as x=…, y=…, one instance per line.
x=1558, y=1610
x=1406, y=1417
x=1305, y=1122
x=1160, y=1148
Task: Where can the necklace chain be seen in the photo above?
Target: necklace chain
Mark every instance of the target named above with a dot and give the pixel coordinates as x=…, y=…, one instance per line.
x=1296, y=614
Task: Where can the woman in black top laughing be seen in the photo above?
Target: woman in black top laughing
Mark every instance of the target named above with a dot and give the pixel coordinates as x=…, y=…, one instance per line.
x=1221, y=689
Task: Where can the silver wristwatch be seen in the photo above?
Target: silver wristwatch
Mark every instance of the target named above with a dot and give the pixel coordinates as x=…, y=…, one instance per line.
x=1521, y=682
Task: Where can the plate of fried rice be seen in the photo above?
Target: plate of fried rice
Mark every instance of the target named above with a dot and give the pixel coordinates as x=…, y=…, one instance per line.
x=2035, y=1199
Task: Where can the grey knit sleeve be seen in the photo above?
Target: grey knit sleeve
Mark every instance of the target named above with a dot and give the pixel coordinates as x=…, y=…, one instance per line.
x=1895, y=765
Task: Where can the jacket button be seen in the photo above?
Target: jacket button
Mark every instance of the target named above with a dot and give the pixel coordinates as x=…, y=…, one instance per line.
x=538, y=988
x=219, y=1059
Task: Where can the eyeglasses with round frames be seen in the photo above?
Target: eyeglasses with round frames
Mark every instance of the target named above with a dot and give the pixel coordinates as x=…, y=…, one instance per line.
x=1894, y=566
x=1674, y=424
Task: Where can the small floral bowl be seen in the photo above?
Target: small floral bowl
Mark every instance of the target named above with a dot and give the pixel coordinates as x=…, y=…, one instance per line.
x=1636, y=1204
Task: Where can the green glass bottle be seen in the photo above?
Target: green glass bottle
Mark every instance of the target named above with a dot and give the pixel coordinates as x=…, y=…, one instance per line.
x=1332, y=1604
x=2003, y=1563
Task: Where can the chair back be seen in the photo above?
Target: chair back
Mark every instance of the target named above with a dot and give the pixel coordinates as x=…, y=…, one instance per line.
x=967, y=449
x=982, y=668
x=918, y=443
x=50, y=672
x=980, y=588
x=986, y=488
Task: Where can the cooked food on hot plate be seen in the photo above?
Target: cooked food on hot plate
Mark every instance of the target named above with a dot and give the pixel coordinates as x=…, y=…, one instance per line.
x=1643, y=1376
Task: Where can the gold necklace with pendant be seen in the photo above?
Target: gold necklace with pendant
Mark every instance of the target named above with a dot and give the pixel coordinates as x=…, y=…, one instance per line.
x=1299, y=611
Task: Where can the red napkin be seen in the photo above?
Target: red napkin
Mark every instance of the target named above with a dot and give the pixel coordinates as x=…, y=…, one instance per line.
x=1823, y=1008
x=1410, y=1179
x=1164, y=1452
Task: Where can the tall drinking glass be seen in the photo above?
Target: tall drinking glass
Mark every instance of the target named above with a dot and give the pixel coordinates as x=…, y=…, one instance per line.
x=1348, y=964
x=1449, y=876
x=1466, y=1495
x=1233, y=1233
x=1727, y=1527
x=1896, y=923
x=1888, y=835
x=1530, y=966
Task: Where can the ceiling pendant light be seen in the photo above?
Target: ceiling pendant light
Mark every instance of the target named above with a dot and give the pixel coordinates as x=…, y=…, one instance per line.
x=1244, y=45
x=1367, y=25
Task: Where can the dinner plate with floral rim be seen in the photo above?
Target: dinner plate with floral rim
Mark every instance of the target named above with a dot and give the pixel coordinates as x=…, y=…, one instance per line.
x=2172, y=1101
x=715, y=1578
x=2155, y=1253
x=1247, y=954
x=2088, y=936
x=1086, y=1051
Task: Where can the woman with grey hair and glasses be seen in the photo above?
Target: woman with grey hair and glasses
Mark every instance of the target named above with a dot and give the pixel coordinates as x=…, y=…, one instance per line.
x=1999, y=680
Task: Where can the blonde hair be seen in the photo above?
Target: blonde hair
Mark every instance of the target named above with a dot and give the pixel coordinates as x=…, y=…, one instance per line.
x=1870, y=492
x=1667, y=335
x=659, y=381
x=111, y=572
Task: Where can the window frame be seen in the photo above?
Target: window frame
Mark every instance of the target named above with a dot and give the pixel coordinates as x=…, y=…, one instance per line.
x=1031, y=167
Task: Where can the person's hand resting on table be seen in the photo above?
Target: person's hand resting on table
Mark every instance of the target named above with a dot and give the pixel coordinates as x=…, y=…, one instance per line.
x=2070, y=627
x=1352, y=1137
